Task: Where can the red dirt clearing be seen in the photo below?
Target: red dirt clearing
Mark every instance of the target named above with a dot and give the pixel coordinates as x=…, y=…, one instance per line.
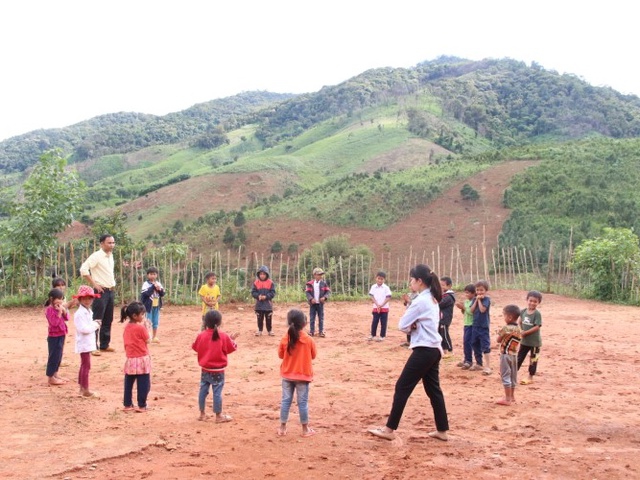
x=579, y=420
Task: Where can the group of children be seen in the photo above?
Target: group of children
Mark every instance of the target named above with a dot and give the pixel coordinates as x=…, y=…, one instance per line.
x=519, y=337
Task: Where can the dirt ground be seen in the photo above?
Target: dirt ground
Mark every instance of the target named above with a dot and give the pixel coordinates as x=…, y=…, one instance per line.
x=578, y=420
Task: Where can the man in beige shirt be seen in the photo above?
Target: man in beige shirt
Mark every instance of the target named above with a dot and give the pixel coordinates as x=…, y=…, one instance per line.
x=98, y=271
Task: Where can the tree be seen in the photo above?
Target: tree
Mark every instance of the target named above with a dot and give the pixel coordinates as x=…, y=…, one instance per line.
x=469, y=193
x=239, y=220
x=228, y=237
x=50, y=199
x=610, y=261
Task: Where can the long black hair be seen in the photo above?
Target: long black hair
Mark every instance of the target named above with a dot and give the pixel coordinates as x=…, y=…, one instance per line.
x=128, y=311
x=296, y=320
x=429, y=278
x=213, y=319
x=54, y=294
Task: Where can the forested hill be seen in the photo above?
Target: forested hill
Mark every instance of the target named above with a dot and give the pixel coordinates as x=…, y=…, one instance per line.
x=126, y=131
x=505, y=101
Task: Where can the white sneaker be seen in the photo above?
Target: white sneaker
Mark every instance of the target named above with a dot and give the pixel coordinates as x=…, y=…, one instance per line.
x=379, y=339
x=371, y=338
x=258, y=333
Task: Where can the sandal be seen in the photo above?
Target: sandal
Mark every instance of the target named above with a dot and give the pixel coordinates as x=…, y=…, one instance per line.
x=526, y=382
x=224, y=418
x=309, y=433
x=281, y=432
x=380, y=432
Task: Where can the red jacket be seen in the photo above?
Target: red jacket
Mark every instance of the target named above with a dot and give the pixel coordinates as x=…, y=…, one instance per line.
x=212, y=354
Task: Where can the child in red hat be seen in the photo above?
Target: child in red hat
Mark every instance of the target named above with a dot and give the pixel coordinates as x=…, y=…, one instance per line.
x=86, y=328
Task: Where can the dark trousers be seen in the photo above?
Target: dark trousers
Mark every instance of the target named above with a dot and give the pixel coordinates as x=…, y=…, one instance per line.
x=423, y=364
x=263, y=316
x=382, y=318
x=533, y=360
x=316, y=309
x=466, y=344
x=56, y=346
x=144, y=387
x=443, y=330
x=103, y=310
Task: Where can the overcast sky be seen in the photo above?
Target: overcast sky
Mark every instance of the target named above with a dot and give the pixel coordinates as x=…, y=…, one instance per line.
x=67, y=61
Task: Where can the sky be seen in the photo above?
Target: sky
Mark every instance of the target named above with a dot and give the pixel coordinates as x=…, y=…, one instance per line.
x=66, y=61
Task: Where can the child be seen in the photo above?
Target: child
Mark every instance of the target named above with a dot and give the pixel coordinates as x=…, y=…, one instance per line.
x=297, y=350
x=263, y=290
x=380, y=293
x=465, y=308
x=407, y=298
x=530, y=323
x=57, y=317
x=151, y=297
x=60, y=284
x=137, y=368
x=509, y=339
x=213, y=345
x=86, y=328
x=317, y=292
x=209, y=294
x=446, y=315
x=480, y=339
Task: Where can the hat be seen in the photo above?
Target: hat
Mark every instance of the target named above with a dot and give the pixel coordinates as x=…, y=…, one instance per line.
x=86, y=291
x=318, y=271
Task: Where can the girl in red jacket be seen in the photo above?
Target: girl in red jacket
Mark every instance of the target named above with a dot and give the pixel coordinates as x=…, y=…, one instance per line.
x=213, y=345
x=297, y=350
x=137, y=367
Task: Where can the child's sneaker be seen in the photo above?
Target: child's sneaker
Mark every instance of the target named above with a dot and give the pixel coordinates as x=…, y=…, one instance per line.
x=371, y=338
x=475, y=368
x=258, y=333
x=379, y=339
x=486, y=371
x=465, y=365
x=271, y=334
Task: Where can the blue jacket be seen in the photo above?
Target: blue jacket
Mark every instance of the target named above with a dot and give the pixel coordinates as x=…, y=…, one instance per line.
x=147, y=293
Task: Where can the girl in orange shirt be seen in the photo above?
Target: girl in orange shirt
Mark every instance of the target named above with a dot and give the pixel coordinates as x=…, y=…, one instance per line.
x=297, y=350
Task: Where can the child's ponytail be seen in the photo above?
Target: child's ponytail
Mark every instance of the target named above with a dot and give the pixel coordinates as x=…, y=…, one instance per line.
x=296, y=320
x=213, y=319
x=128, y=311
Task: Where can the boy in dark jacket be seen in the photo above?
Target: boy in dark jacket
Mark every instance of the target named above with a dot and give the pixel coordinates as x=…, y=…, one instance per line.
x=317, y=292
x=151, y=298
x=263, y=290
x=446, y=315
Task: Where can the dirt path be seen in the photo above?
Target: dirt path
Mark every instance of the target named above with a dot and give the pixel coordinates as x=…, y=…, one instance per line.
x=579, y=420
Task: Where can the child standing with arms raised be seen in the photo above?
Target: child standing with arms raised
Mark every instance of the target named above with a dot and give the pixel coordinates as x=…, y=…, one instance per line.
x=509, y=339
x=137, y=368
x=86, y=328
x=465, y=308
x=297, y=351
x=57, y=317
x=480, y=338
x=213, y=346
x=263, y=290
x=151, y=297
x=530, y=323
x=317, y=292
x=380, y=293
x=209, y=294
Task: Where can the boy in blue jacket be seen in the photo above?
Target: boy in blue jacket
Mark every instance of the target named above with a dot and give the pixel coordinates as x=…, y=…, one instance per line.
x=151, y=298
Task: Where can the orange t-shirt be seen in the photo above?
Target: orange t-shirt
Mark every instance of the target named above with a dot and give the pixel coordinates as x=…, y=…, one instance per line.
x=297, y=365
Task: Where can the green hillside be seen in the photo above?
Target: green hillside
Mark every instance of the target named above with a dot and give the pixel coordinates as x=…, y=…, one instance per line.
x=378, y=139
